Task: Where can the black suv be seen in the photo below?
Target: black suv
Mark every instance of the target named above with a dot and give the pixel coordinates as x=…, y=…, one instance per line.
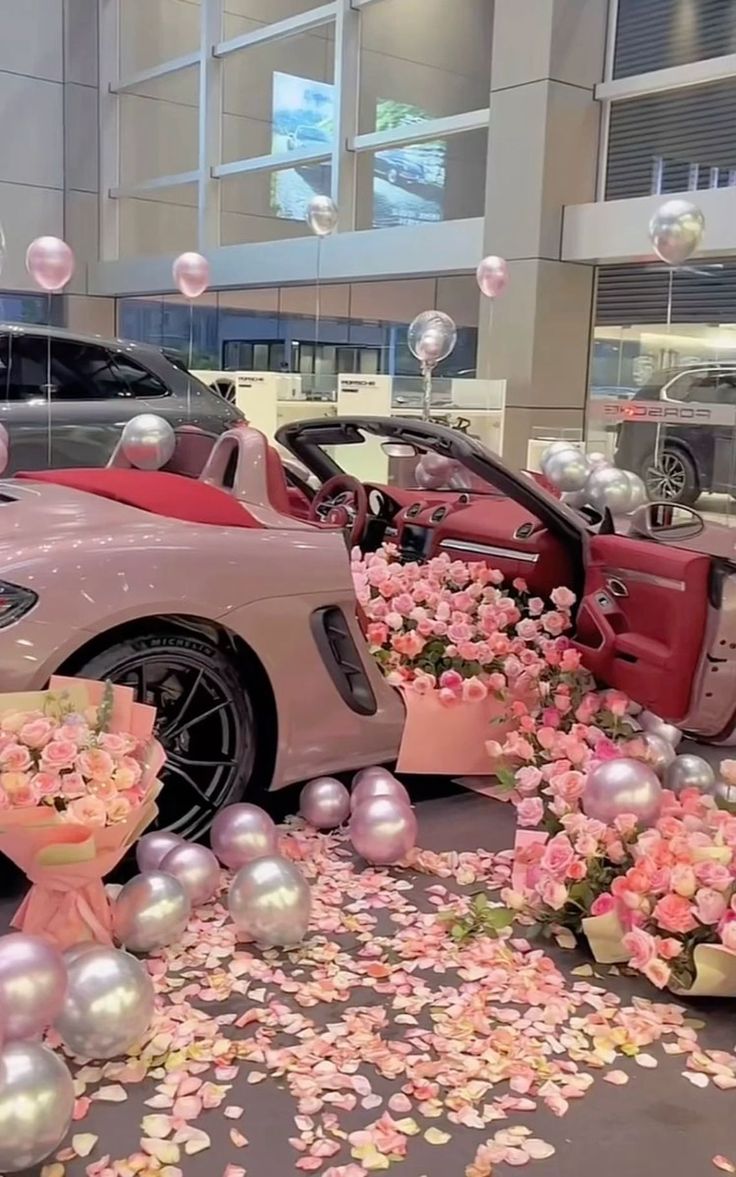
x=685, y=443
x=96, y=386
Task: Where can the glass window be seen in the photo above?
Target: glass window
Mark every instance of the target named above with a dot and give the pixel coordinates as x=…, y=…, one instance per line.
x=280, y=97
x=271, y=206
x=443, y=180
x=164, y=221
x=258, y=12
x=673, y=142
x=657, y=34
x=159, y=128
x=154, y=31
x=423, y=59
x=137, y=381
x=78, y=371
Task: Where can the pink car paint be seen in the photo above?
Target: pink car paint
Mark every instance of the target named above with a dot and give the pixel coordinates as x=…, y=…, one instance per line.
x=96, y=564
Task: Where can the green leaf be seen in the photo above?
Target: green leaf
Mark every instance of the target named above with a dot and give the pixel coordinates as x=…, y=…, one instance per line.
x=506, y=778
x=498, y=918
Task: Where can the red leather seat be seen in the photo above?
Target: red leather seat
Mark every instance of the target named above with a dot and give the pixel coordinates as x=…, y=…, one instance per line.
x=287, y=500
x=171, y=496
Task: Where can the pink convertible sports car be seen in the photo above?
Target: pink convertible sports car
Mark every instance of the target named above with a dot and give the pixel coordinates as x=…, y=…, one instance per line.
x=220, y=588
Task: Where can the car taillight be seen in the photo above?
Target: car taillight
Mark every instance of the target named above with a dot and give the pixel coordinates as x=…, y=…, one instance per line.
x=15, y=602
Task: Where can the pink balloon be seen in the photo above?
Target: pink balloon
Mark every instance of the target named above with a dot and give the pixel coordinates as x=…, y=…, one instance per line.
x=32, y=985
x=493, y=276
x=622, y=786
x=324, y=803
x=50, y=262
x=191, y=274
x=383, y=830
x=151, y=849
x=196, y=868
x=377, y=782
x=241, y=833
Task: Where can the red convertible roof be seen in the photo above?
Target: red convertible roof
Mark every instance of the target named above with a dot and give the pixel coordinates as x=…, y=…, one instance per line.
x=170, y=495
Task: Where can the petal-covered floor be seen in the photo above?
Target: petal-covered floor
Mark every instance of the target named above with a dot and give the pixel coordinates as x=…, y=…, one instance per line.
x=381, y=1015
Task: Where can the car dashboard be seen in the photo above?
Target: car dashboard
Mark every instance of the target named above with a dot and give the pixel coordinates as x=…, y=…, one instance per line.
x=471, y=527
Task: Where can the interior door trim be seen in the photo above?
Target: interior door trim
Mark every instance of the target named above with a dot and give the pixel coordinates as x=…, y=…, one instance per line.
x=463, y=545
x=624, y=574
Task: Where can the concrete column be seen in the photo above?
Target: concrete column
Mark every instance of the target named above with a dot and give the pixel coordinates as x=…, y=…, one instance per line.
x=542, y=154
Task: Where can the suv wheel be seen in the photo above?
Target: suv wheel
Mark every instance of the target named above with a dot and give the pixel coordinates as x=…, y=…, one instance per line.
x=671, y=476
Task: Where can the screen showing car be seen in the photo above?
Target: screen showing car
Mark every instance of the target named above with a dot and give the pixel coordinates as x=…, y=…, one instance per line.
x=408, y=181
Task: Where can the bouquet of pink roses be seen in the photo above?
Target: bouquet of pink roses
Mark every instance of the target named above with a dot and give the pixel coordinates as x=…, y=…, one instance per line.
x=78, y=783
x=672, y=914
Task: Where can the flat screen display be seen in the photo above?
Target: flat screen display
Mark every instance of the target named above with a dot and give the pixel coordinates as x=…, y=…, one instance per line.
x=408, y=181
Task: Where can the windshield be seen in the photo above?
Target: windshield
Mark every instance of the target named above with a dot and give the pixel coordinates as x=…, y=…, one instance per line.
x=381, y=460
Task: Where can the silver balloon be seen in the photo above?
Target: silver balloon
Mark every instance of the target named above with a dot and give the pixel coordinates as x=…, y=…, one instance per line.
x=568, y=470
x=324, y=803
x=196, y=868
x=32, y=985
x=150, y=912
x=623, y=786
x=322, y=216
x=554, y=447
x=725, y=795
x=270, y=902
x=70, y=955
x=658, y=752
x=431, y=337
x=638, y=491
x=575, y=499
x=36, y=1105
x=108, y=1006
x=676, y=230
x=151, y=849
x=596, y=458
x=377, y=782
x=609, y=487
x=148, y=441
x=383, y=830
x=690, y=772
x=652, y=723
x=240, y=833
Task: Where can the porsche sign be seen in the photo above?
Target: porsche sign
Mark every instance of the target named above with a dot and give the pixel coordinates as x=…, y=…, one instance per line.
x=661, y=412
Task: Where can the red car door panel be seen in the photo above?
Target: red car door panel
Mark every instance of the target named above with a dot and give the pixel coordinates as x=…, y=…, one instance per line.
x=641, y=622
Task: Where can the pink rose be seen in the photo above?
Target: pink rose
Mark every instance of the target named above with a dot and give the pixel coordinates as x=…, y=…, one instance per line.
x=86, y=811
x=528, y=780
x=642, y=948
x=657, y=972
x=72, y=784
x=553, y=893
x=394, y=620
x=96, y=764
x=36, y=733
x=19, y=790
x=554, y=623
x=117, y=744
x=450, y=680
x=728, y=935
x=529, y=811
x=558, y=856
x=535, y=606
x=728, y=771
x=377, y=633
x=710, y=906
x=562, y=598
x=674, y=913
x=118, y=809
x=13, y=721
x=527, y=629
x=48, y=784
x=474, y=691
x=569, y=786
x=683, y=881
x=570, y=660
x=447, y=697
x=603, y=905
x=15, y=758
x=59, y=754
x=713, y=874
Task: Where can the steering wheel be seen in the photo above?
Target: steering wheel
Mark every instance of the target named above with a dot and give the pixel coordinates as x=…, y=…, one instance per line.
x=342, y=502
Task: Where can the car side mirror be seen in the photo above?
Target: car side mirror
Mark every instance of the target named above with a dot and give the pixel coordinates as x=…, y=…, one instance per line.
x=666, y=522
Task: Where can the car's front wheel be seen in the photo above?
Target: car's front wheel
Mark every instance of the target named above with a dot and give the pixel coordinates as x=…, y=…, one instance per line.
x=205, y=720
x=671, y=475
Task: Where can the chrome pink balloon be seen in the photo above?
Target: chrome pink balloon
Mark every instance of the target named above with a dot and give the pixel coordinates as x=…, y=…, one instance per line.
x=191, y=274
x=270, y=902
x=196, y=868
x=493, y=276
x=33, y=981
x=324, y=803
x=50, y=262
x=623, y=786
x=383, y=830
x=151, y=849
x=150, y=912
x=377, y=782
x=242, y=833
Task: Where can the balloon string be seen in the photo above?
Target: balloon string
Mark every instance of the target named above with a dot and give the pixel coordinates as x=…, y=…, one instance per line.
x=427, y=378
x=318, y=309
x=190, y=361
x=49, y=446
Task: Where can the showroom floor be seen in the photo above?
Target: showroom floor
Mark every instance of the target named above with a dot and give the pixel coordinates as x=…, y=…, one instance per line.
x=658, y=1116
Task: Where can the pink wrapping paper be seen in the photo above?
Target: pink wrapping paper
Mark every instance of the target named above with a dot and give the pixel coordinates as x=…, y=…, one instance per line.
x=66, y=863
x=448, y=740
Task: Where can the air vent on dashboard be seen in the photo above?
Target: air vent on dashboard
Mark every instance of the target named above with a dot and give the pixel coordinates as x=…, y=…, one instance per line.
x=524, y=531
x=438, y=515
x=413, y=510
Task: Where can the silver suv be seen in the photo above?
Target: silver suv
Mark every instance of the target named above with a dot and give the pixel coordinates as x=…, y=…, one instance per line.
x=95, y=385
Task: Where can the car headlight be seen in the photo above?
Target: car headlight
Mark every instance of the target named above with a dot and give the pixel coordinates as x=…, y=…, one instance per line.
x=15, y=602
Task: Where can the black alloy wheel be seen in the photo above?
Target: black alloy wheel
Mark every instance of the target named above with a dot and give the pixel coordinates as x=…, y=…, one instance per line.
x=205, y=721
x=671, y=476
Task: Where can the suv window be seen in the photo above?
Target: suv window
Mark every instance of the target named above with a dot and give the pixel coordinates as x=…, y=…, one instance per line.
x=79, y=371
